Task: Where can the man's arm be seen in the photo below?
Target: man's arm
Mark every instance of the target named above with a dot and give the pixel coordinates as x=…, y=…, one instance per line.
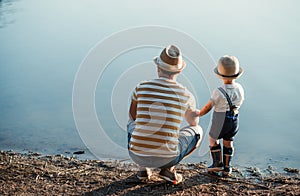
x=192, y=117
x=132, y=110
x=206, y=108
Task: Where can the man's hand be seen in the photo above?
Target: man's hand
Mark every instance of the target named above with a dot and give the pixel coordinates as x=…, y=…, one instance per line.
x=192, y=117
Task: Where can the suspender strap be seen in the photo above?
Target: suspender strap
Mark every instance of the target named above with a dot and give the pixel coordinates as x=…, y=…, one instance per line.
x=227, y=97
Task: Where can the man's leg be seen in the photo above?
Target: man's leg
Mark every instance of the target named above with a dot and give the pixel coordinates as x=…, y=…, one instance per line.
x=189, y=139
x=169, y=174
x=130, y=128
x=144, y=172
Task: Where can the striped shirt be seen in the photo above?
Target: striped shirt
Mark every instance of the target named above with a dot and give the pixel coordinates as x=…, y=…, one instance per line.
x=161, y=105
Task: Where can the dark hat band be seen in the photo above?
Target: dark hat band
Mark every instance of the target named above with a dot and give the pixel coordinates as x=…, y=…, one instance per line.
x=232, y=76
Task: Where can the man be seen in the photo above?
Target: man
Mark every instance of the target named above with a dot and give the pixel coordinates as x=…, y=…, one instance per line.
x=156, y=112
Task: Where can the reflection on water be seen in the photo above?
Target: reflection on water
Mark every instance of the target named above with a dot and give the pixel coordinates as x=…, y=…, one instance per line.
x=6, y=12
x=41, y=51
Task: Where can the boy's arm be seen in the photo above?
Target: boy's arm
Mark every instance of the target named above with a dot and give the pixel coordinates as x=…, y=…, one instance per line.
x=132, y=110
x=206, y=108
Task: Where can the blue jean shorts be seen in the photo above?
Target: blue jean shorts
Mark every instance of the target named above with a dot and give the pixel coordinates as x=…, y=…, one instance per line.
x=224, y=127
x=189, y=139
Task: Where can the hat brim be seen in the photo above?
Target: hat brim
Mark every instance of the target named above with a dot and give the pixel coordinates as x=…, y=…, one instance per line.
x=166, y=68
x=241, y=71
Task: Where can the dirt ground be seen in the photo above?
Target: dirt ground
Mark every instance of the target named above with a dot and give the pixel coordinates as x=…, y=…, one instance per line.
x=32, y=174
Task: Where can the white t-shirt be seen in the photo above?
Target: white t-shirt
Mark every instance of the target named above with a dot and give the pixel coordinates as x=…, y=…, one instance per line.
x=235, y=92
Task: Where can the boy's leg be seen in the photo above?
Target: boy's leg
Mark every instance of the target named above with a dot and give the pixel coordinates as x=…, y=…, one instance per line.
x=215, y=150
x=228, y=144
x=213, y=142
x=227, y=155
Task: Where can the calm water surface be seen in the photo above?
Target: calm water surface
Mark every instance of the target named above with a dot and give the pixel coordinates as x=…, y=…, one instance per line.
x=42, y=44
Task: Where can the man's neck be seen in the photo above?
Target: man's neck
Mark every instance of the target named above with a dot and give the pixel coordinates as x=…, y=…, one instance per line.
x=173, y=77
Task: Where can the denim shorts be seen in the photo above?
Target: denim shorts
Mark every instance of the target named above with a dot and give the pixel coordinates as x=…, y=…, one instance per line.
x=223, y=126
x=189, y=139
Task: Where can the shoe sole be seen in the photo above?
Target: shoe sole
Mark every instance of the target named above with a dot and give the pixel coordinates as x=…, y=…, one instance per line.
x=216, y=169
x=170, y=180
x=226, y=173
x=143, y=177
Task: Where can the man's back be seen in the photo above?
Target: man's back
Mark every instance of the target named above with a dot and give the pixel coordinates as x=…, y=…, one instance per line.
x=161, y=105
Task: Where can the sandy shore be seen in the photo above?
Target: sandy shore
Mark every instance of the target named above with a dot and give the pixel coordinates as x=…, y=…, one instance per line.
x=32, y=174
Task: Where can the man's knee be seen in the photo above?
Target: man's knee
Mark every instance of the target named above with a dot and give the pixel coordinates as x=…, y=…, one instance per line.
x=198, y=131
x=199, y=134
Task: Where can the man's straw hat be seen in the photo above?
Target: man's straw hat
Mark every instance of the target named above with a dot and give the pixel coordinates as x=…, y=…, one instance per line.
x=170, y=59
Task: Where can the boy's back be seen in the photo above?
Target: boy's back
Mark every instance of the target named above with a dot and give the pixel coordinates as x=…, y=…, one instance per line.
x=236, y=95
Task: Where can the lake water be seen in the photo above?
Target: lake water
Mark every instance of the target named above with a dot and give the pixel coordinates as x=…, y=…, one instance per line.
x=43, y=43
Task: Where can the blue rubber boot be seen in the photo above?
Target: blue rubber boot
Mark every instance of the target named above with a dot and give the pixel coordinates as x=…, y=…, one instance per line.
x=216, y=154
x=227, y=156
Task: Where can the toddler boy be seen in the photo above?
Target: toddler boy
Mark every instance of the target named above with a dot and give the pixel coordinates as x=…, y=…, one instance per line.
x=226, y=100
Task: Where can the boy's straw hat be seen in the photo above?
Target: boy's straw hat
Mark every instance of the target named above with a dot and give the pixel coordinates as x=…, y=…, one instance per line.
x=228, y=67
x=170, y=59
